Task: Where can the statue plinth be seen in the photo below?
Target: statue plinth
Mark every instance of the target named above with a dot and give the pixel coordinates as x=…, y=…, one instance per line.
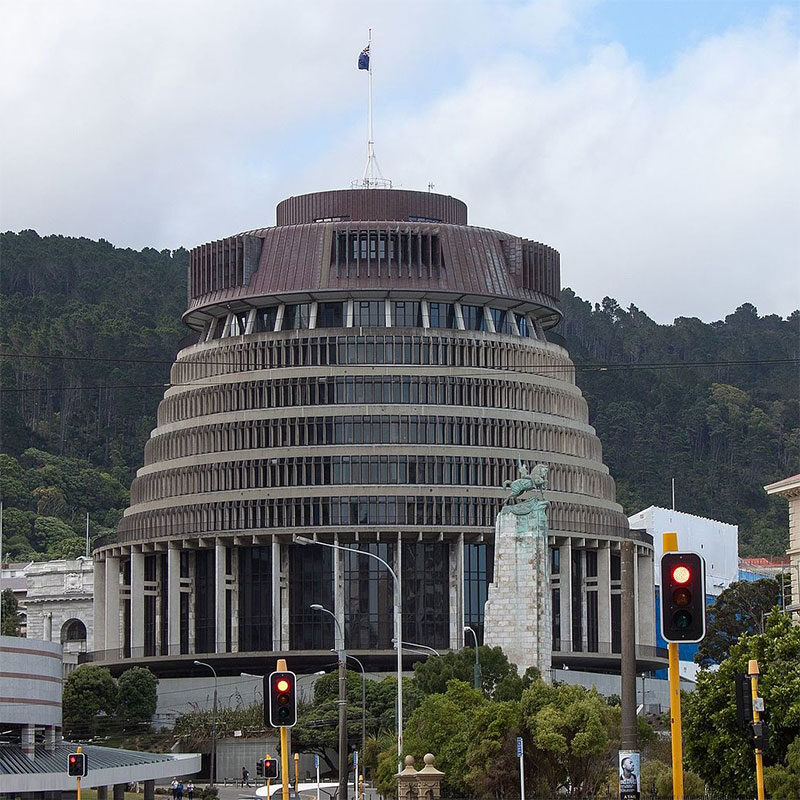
x=518, y=616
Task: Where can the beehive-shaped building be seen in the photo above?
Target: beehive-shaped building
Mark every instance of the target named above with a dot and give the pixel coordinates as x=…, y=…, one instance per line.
x=368, y=372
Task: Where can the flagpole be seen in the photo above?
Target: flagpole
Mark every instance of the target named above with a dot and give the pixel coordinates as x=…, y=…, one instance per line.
x=87, y=534
x=371, y=141
x=372, y=176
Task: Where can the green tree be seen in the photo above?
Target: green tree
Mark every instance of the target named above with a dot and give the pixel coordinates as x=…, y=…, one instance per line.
x=88, y=692
x=499, y=677
x=783, y=782
x=136, y=698
x=740, y=609
x=10, y=614
x=717, y=749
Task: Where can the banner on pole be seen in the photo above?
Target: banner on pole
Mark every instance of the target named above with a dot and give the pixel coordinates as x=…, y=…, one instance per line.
x=629, y=775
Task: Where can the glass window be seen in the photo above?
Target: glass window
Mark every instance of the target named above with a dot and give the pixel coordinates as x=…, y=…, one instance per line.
x=368, y=599
x=369, y=314
x=311, y=569
x=591, y=563
x=219, y=327
x=330, y=315
x=406, y=314
x=204, y=611
x=296, y=316
x=556, y=609
x=522, y=324
x=255, y=598
x=478, y=574
x=265, y=319
x=502, y=324
x=426, y=593
x=577, y=615
x=442, y=315
x=239, y=323
x=473, y=318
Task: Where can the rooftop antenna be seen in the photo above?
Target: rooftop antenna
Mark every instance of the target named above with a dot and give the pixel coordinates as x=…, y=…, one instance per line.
x=373, y=177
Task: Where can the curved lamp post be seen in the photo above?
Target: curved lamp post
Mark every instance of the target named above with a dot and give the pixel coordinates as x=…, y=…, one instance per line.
x=213, y=723
x=342, y=700
x=397, y=632
x=477, y=678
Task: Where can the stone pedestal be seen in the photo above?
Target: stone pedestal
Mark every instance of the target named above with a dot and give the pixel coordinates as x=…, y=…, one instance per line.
x=518, y=617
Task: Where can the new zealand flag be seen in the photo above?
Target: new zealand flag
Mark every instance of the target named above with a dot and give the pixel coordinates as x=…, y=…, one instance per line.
x=363, y=58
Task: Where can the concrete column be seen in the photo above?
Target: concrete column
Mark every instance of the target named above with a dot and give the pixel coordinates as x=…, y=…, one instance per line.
x=50, y=738
x=565, y=584
x=28, y=740
x=646, y=605
x=149, y=790
x=457, y=593
x=220, y=616
x=99, y=604
x=47, y=626
x=604, y=593
x=137, y=602
x=338, y=589
x=119, y=791
x=174, y=600
x=102, y=793
x=112, y=603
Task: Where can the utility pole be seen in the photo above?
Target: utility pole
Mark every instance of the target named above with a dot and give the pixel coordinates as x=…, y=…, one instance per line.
x=670, y=545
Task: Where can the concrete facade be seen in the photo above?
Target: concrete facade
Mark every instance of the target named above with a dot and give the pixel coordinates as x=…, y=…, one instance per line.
x=368, y=380
x=790, y=489
x=59, y=604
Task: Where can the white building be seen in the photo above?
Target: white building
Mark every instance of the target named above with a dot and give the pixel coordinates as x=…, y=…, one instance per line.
x=717, y=542
x=790, y=489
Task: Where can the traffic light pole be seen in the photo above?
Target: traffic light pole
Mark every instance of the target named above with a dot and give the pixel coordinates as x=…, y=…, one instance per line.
x=752, y=671
x=670, y=545
x=284, y=745
x=78, y=779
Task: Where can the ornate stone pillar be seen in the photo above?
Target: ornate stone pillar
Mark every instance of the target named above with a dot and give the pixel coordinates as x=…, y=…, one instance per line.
x=429, y=780
x=407, y=781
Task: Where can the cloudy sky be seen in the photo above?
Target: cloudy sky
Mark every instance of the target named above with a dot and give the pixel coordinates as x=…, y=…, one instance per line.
x=653, y=142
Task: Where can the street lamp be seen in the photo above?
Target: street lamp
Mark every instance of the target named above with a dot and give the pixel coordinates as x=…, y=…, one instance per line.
x=213, y=724
x=477, y=679
x=342, y=700
x=419, y=646
x=363, y=710
x=397, y=631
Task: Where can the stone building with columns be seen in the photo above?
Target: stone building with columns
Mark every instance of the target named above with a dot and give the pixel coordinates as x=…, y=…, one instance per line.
x=367, y=371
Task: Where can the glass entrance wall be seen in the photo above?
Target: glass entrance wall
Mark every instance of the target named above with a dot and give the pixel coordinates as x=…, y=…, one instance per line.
x=311, y=570
x=368, y=598
x=426, y=596
x=255, y=598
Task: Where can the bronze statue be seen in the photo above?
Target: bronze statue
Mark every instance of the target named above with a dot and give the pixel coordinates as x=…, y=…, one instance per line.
x=526, y=482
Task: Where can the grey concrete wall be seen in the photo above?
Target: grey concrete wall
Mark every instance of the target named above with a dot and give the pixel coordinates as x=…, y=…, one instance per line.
x=30, y=681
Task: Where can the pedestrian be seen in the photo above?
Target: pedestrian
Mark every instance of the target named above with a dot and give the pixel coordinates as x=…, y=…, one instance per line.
x=174, y=787
x=245, y=777
x=190, y=790
x=180, y=790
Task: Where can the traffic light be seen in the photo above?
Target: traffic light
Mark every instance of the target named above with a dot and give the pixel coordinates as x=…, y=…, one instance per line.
x=77, y=767
x=280, y=689
x=270, y=767
x=683, y=597
x=744, y=702
x=260, y=768
x=759, y=735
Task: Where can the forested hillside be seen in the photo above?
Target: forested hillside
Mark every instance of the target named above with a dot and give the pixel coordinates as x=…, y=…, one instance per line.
x=89, y=332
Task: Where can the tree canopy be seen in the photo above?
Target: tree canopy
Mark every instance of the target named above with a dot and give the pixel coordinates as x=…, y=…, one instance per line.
x=11, y=618
x=716, y=747
x=739, y=609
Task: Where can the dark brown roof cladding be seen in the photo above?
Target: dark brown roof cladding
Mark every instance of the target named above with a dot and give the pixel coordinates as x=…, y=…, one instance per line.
x=371, y=205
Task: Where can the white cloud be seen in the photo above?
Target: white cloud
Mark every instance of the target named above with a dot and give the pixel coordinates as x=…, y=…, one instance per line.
x=168, y=124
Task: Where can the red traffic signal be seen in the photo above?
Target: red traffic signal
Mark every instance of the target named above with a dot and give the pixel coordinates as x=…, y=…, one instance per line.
x=683, y=597
x=77, y=766
x=270, y=767
x=280, y=699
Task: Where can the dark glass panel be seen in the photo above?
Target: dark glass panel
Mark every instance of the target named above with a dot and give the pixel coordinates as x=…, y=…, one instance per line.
x=369, y=603
x=149, y=625
x=478, y=574
x=255, y=598
x=204, y=610
x=426, y=594
x=331, y=315
x=473, y=318
x=406, y=314
x=296, y=316
x=265, y=319
x=555, y=600
x=368, y=314
x=591, y=622
x=577, y=615
x=311, y=570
